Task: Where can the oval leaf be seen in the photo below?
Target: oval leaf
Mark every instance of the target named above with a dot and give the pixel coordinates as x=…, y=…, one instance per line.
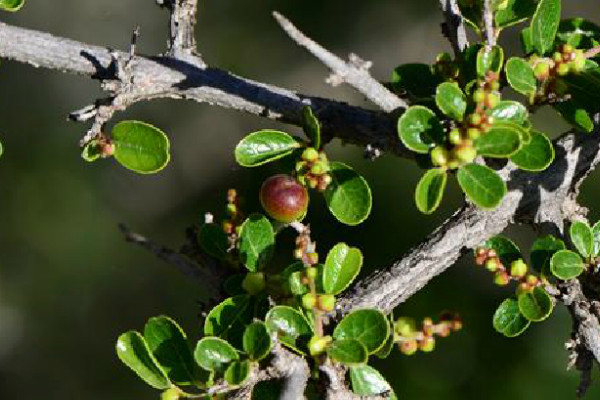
x=213, y=241
x=367, y=381
x=264, y=146
x=520, y=76
x=489, y=61
x=348, y=196
x=11, y=5
x=419, y=129
x=257, y=342
x=536, y=306
x=140, y=147
x=237, y=372
x=566, y=264
x=369, y=327
x=289, y=324
x=430, y=190
x=482, y=185
x=214, y=354
x=348, y=352
x=508, y=319
x=502, y=140
x=342, y=265
x=542, y=251
x=229, y=318
x=596, y=235
x=537, y=155
x=582, y=237
x=168, y=343
x=451, y=100
x=134, y=352
x=510, y=111
x=256, y=242
x=544, y=25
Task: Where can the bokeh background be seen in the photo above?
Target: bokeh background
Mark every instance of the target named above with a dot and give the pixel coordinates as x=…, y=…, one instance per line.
x=69, y=284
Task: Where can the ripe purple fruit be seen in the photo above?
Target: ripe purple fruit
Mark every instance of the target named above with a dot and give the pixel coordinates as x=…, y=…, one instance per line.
x=283, y=198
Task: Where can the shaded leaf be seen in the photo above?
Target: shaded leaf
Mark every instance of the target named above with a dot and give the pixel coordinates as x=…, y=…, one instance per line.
x=228, y=319
x=134, y=352
x=515, y=11
x=508, y=319
x=536, y=306
x=542, y=251
x=430, y=190
x=415, y=79
x=348, y=196
x=482, y=185
x=348, y=352
x=419, y=129
x=256, y=242
x=537, y=155
x=257, y=342
x=213, y=241
x=505, y=248
x=579, y=33
x=237, y=372
x=575, y=115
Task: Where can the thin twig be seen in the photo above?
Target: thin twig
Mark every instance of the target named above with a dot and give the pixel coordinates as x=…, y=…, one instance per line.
x=488, y=22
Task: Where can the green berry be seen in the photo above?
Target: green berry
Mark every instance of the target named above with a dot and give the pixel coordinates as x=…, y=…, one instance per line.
x=427, y=345
x=473, y=133
x=254, y=282
x=455, y=137
x=479, y=96
x=557, y=57
x=231, y=209
x=518, y=268
x=475, y=119
x=309, y=301
x=492, y=100
x=492, y=264
x=318, y=345
x=563, y=69
x=501, y=278
x=319, y=168
x=578, y=64
x=439, y=156
x=327, y=302
x=532, y=280
x=541, y=71
x=465, y=154
x=567, y=48
x=310, y=155
x=495, y=85
x=405, y=327
x=312, y=272
x=408, y=347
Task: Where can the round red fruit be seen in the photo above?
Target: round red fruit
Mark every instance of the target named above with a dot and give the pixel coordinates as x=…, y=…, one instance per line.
x=283, y=198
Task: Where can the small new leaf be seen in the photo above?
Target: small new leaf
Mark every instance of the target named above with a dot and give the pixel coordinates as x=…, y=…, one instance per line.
x=311, y=126
x=214, y=354
x=566, y=265
x=482, y=185
x=348, y=196
x=140, y=147
x=536, y=305
x=342, y=266
x=451, y=100
x=508, y=319
x=257, y=342
x=430, y=190
x=419, y=129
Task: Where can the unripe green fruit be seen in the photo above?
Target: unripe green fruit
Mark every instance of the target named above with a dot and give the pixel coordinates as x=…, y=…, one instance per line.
x=327, y=302
x=231, y=209
x=532, y=280
x=309, y=301
x=318, y=345
x=439, y=156
x=427, y=345
x=557, y=57
x=518, y=268
x=455, y=136
x=479, y=96
x=473, y=133
x=170, y=394
x=567, y=48
x=495, y=85
x=563, y=69
x=475, y=119
x=319, y=168
x=492, y=264
x=254, y=282
x=405, y=326
x=492, y=100
x=312, y=272
x=501, y=278
x=409, y=347
x=541, y=71
x=283, y=198
x=310, y=154
x=578, y=64
x=466, y=154
x=300, y=166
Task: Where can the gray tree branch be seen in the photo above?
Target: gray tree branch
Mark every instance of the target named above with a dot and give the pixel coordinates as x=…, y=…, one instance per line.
x=454, y=26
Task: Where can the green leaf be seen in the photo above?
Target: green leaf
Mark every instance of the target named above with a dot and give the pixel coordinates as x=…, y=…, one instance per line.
x=430, y=190
x=213, y=241
x=311, y=126
x=489, y=61
x=542, y=251
x=576, y=115
x=214, y=354
x=420, y=129
x=510, y=111
x=516, y=11
x=257, y=342
x=482, y=185
x=367, y=381
x=582, y=237
x=256, y=242
x=91, y=152
x=536, y=305
x=501, y=141
x=566, y=265
x=168, y=343
x=237, y=372
x=348, y=196
x=527, y=41
x=505, y=248
x=544, y=25
x=289, y=324
x=537, y=155
x=348, y=352
x=11, y=5
x=415, y=79
x=342, y=266
x=520, y=76
x=229, y=318
x=584, y=89
x=579, y=33
x=508, y=319
x=140, y=147
x=134, y=352
x=263, y=147
x=451, y=100
x=596, y=234
x=370, y=327
x=387, y=347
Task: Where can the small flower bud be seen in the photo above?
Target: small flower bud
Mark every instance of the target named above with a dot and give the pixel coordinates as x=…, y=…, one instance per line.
x=473, y=133
x=327, y=302
x=465, y=154
x=405, y=326
x=298, y=254
x=455, y=136
x=541, y=71
x=479, y=96
x=227, y=227
x=231, y=209
x=501, y=278
x=170, y=394
x=312, y=258
x=563, y=69
x=475, y=119
x=310, y=155
x=408, y=347
x=312, y=272
x=427, y=345
x=318, y=345
x=492, y=264
x=439, y=156
x=518, y=268
x=532, y=280
x=309, y=301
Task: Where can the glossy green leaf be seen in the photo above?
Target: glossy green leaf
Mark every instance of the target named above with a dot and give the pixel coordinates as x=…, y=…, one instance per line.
x=544, y=25
x=520, y=76
x=140, y=147
x=342, y=266
x=505, y=248
x=416, y=80
x=348, y=352
x=348, y=196
x=451, y=100
x=582, y=237
x=542, y=251
x=168, y=343
x=263, y=147
x=295, y=283
x=537, y=155
x=311, y=126
x=508, y=319
x=134, y=352
x=489, y=61
x=11, y=5
x=228, y=319
x=90, y=153
x=482, y=185
x=536, y=305
x=214, y=354
x=510, y=111
x=566, y=264
x=237, y=372
x=367, y=381
x=579, y=33
x=256, y=242
x=527, y=41
x=515, y=11
x=388, y=346
x=419, y=129
x=584, y=89
x=291, y=278
x=370, y=327
x=596, y=235
x=213, y=241
x=257, y=342
x=430, y=190
x=501, y=141
x=289, y=324
x=576, y=115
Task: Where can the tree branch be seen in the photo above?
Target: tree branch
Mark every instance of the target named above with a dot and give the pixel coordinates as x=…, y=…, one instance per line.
x=182, y=40
x=454, y=27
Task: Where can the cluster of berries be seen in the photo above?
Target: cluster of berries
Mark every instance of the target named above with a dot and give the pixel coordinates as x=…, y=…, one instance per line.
x=313, y=170
x=564, y=61
x=235, y=218
x=410, y=339
x=503, y=276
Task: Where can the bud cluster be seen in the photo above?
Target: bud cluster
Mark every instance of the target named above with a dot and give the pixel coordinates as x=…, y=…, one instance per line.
x=313, y=169
x=410, y=339
x=518, y=270
x=235, y=218
x=106, y=146
x=565, y=60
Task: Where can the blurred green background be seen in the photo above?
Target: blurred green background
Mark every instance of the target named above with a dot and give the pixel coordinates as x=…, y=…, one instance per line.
x=69, y=284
